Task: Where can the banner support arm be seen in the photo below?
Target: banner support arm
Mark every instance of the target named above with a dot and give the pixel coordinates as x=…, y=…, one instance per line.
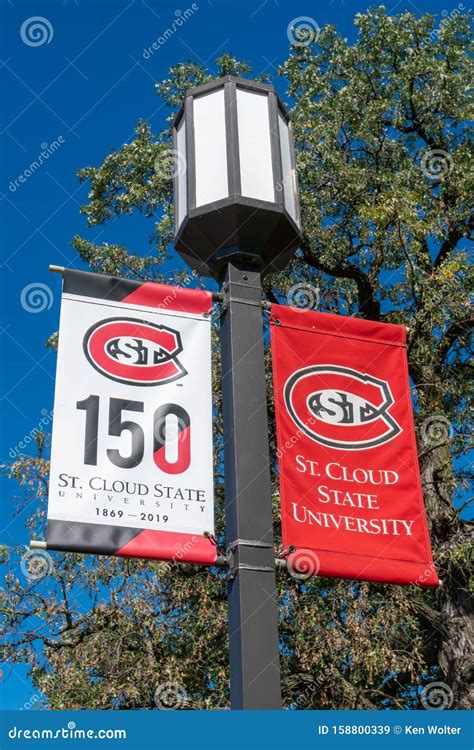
x=221, y=561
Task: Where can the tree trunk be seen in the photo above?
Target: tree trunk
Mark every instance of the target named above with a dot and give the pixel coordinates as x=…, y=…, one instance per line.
x=452, y=539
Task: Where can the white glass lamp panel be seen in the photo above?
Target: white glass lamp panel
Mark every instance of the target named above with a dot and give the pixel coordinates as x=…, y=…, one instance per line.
x=210, y=148
x=289, y=175
x=181, y=166
x=253, y=123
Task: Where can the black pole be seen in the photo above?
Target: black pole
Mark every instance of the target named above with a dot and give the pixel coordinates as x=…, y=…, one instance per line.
x=253, y=629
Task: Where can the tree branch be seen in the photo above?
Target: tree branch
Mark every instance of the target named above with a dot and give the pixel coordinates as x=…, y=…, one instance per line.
x=454, y=235
x=369, y=306
x=455, y=331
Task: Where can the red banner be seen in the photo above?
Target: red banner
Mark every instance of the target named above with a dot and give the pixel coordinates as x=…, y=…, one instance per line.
x=351, y=498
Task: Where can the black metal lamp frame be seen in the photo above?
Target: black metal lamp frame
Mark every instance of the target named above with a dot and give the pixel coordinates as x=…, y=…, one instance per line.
x=235, y=225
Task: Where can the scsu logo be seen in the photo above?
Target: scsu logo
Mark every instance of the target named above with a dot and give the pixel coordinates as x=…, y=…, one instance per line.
x=341, y=407
x=134, y=351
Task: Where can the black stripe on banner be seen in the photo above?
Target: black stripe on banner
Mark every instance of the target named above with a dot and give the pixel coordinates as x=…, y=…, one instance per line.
x=73, y=536
x=98, y=285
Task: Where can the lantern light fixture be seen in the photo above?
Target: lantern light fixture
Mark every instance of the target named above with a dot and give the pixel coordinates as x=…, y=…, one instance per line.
x=235, y=188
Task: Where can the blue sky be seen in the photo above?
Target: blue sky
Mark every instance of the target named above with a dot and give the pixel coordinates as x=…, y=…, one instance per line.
x=79, y=95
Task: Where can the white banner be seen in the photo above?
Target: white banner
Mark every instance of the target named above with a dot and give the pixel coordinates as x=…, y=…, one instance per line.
x=132, y=432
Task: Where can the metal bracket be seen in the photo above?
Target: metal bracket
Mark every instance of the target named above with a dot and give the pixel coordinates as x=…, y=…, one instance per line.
x=248, y=543
x=233, y=568
x=246, y=302
x=242, y=566
x=225, y=298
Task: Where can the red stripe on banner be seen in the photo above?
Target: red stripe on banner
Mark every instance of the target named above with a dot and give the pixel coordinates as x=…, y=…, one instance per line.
x=171, y=545
x=350, y=489
x=149, y=294
x=305, y=562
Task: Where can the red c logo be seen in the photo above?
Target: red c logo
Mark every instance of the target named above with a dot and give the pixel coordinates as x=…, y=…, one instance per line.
x=134, y=351
x=341, y=407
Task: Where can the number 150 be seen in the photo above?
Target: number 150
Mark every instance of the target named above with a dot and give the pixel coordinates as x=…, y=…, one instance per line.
x=171, y=434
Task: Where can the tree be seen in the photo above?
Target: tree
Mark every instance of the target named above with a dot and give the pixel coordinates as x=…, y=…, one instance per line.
x=383, y=158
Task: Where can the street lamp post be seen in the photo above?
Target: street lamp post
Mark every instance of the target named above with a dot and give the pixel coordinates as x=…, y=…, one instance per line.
x=236, y=218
